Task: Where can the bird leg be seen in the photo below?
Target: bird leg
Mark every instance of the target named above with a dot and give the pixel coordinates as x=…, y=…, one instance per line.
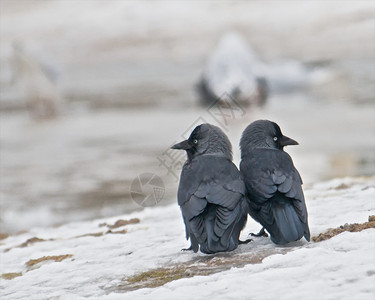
x=187, y=249
x=260, y=233
x=244, y=242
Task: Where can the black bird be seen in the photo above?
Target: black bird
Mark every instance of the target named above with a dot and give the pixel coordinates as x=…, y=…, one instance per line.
x=211, y=193
x=273, y=185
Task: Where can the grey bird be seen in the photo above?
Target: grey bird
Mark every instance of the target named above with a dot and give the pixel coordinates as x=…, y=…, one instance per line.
x=273, y=185
x=211, y=194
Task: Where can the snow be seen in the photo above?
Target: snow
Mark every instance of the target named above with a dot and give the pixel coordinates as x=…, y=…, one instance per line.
x=339, y=268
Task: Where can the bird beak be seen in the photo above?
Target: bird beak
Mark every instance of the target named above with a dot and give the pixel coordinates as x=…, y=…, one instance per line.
x=286, y=141
x=184, y=145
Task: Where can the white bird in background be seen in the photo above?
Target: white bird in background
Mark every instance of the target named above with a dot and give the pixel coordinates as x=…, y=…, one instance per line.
x=35, y=84
x=233, y=69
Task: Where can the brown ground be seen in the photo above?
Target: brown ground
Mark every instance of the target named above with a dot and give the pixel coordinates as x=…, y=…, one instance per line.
x=57, y=258
x=9, y=276
x=120, y=223
x=201, y=266
x=330, y=233
x=3, y=236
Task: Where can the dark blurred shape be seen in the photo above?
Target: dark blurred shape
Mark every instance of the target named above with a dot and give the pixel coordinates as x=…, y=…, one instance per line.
x=233, y=69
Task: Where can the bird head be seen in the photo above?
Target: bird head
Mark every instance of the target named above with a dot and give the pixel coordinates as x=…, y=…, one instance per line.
x=206, y=139
x=264, y=134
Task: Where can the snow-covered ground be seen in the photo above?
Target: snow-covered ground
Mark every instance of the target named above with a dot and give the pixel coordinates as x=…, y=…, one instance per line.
x=103, y=263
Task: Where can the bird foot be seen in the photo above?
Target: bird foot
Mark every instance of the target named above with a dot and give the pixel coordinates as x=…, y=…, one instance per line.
x=245, y=242
x=260, y=233
x=187, y=249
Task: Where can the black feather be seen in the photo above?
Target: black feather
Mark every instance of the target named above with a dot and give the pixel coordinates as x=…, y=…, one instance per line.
x=273, y=185
x=211, y=195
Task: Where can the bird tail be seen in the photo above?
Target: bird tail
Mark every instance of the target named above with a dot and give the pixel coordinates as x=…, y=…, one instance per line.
x=289, y=227
x=228, y=238
x=231, y=237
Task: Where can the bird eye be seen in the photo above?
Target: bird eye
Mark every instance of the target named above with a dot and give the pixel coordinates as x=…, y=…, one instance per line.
x=195, y=141
x=275, y=138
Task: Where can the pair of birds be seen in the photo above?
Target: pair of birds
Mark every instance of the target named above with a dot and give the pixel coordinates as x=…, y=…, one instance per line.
x=215, y=197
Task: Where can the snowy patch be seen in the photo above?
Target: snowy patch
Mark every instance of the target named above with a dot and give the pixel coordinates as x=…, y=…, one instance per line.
x=114, y=258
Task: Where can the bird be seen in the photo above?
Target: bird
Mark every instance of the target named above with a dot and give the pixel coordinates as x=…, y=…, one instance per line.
x=233, y=69
x=273, y=184
x=211, y=194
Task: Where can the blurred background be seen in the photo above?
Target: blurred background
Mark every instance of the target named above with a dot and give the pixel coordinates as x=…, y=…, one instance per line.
x=93, y=94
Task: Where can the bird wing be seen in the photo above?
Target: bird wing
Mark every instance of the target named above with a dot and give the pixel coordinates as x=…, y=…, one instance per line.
x=268, y=172
x=210, y=184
